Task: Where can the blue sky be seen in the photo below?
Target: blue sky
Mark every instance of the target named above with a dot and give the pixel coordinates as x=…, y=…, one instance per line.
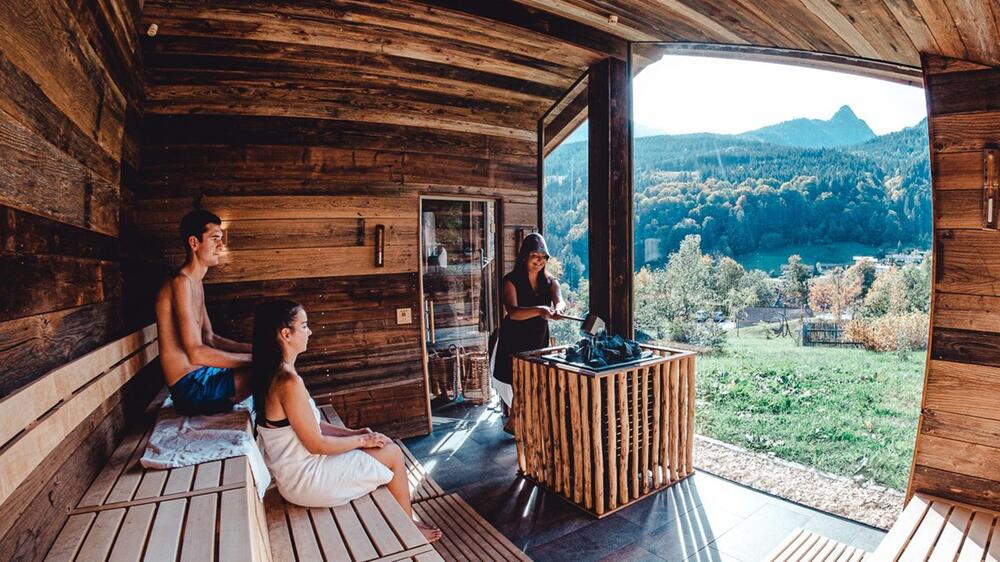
x=681, y=94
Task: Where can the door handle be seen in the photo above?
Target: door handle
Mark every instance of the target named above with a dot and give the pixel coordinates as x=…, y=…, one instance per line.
x=430, y=321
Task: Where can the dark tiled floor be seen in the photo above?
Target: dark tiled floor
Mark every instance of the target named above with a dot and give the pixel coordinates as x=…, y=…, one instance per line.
x=702, y=519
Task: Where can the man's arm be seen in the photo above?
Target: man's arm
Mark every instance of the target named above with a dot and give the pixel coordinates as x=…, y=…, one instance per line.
x=210, y=338
x=191, y=337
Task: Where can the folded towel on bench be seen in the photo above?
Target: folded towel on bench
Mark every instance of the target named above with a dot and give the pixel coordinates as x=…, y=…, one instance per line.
x=179, y=441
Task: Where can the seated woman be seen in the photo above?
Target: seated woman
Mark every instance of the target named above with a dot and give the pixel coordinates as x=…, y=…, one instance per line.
x=314, y=463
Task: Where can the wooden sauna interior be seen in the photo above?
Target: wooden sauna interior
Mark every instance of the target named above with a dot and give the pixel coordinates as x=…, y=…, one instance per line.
x=306, y=124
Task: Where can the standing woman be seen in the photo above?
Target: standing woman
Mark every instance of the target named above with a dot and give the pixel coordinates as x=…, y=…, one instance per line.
x=531, y=298
x=314, y=463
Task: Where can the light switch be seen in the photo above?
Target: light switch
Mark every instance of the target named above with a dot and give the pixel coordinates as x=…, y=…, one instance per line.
x=404, y=316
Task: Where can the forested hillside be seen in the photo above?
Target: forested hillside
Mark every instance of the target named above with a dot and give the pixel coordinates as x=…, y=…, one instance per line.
x=744, y=196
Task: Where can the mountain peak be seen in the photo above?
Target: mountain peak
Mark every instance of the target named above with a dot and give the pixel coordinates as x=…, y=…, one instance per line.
x=844, y=128
x=844, y=113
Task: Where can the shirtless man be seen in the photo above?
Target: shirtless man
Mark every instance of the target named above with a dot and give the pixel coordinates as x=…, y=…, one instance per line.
x=206, y=373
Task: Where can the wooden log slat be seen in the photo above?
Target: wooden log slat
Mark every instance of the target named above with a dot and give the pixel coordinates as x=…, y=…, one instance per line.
x=974, y=546
x=612, y=467
x=518, y=413
x=564, y=431
x=278, y=530
x=575, y=407
x=598, y=448
x=378, y=528
x=354, y=533
x=657, y=373
x=330, y=541
x=636, y=427
x=585, y=446
x=646, y=442
x=625, y=433
x=556, y=424
x=675, y=467
x=926, y=534
x=691, y=393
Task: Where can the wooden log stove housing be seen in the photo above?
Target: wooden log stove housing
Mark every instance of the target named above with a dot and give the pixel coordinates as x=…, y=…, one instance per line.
x=305, y=124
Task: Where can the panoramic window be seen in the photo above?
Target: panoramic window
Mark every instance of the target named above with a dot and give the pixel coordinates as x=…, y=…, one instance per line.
x=782, y=230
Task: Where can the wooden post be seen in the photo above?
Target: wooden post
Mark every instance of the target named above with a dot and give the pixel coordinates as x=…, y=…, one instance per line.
x=674, y=420
x=636, y=428
x=644, y=476
x=518, y=419
x=563, y=433
x=610, y=196
x=574, y=405
x=690, y=414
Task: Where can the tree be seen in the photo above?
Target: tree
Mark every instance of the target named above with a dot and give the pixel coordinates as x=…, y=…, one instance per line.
x=865, y=271
x=795, y=280
x=728, y=273
x=687, y=279
x=835, y=293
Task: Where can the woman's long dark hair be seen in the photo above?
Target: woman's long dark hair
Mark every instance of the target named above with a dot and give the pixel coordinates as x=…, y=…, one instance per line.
x=269, y=318
x=520, y=270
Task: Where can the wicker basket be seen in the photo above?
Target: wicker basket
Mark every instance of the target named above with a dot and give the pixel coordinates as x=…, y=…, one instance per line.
x=476, y=377
x=443, y=367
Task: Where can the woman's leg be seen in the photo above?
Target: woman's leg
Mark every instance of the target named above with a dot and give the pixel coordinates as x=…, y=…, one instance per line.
x=392, y=457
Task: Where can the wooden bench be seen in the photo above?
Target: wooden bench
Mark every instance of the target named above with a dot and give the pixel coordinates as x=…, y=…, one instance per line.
x=127, y=512
x=805, y=546
x=932, y=528
x=929, y=528
x=467, y=536
x=373, y=527
x=191, y=513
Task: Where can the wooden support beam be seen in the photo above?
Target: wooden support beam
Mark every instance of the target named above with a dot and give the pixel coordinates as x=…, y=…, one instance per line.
x=610, y=192
x=558, y=27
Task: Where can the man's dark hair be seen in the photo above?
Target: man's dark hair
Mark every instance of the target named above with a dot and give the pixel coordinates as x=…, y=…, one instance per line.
x=194, y=223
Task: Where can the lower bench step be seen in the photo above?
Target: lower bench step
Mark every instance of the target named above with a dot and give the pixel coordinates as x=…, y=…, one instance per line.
x=806, y=546
x=467, y=536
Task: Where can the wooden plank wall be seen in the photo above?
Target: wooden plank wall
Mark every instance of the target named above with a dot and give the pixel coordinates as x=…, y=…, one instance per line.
x=70, y=105
x=304, y=127
x=958, y=445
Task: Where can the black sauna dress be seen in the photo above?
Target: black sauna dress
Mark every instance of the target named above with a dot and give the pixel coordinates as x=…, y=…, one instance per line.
x=522, y=335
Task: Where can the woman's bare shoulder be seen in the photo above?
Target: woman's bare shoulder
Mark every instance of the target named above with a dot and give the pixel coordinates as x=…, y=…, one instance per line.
x=286, y=379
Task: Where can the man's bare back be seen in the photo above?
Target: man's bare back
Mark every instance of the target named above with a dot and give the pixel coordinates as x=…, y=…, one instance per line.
x=198, y=364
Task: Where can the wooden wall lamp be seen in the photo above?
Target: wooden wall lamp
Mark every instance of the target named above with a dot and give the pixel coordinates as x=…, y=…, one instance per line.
x=991, y=187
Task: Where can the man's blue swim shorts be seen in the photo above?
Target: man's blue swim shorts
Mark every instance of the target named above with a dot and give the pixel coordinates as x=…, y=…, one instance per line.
x=205, y=390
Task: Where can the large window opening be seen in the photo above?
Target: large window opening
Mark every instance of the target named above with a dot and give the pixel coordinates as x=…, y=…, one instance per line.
x=782, y=229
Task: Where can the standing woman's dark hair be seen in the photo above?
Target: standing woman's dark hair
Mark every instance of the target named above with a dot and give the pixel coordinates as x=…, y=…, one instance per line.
x=269, y=318
x=531, y=243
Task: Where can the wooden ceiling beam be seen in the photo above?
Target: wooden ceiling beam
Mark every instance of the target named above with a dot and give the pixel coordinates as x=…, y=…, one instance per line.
x=543, y=22
x=182, y=53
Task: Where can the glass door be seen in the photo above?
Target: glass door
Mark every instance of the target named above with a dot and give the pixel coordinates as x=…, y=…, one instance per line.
x=459, y=268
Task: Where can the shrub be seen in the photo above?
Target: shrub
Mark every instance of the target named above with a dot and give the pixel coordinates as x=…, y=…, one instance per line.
x=893, y=332
x=706, y=334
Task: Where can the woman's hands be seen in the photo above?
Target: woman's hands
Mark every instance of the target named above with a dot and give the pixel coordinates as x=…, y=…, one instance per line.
x=372, y=440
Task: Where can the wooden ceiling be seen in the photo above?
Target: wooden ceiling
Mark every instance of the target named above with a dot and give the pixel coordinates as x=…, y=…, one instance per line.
x=894, y=31
x=493, y=68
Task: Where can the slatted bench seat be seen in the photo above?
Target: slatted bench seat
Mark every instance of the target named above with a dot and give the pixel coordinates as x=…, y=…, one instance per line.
x=806, y=546
x=203, y=512
x=197, y=513
x=467, y=536
x=932, y=528
x=373, y=527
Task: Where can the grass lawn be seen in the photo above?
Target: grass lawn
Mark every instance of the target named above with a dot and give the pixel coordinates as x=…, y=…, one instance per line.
x=847, y=411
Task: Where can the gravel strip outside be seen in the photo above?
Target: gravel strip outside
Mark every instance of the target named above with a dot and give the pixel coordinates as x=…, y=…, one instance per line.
x=859, y=501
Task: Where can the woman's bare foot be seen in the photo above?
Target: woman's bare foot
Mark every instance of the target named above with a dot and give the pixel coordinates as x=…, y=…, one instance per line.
x=432, y=534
